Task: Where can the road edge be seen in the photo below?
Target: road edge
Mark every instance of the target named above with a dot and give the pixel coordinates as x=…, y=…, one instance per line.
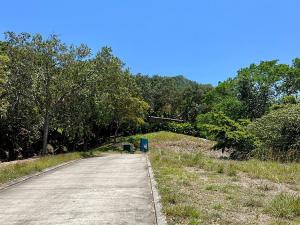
x=160, y=217
x=25, y=178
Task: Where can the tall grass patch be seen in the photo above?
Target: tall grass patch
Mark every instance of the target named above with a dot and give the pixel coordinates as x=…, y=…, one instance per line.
x=284, y=206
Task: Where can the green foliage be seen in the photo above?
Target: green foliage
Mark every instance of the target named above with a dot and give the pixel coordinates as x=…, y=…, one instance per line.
x=229, y=134
x=172, y=97
x=254, y=89
x=231, y=107
x=279, y=132
x=4, y=60
x=290, y=99
x=255, y=86
x=59, y=94
x=182, y=128
x=225, y=91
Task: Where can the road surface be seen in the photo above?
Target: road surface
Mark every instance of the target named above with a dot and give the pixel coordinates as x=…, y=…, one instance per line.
x=114, y=189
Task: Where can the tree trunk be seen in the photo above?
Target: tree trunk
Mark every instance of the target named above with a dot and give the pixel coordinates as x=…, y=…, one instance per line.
x=47, y=108
x=45, y=134
x=116, y=133
x=85, y=146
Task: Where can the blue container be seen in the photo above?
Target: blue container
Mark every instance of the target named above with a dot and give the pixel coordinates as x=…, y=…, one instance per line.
x=144, y=145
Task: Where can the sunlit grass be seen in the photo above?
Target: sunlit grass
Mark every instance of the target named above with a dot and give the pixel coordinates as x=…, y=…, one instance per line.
x=12, y=171
x=271, y=170
x=274, y=171
x=284, y=206
x=16, y=170
x=195, y=178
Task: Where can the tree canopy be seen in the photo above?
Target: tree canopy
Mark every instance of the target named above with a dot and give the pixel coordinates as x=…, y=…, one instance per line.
x=65, y=96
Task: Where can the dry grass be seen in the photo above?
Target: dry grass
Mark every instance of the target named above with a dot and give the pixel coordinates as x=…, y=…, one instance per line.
x=19, y=169
x=13, y=170
x=285, y=206
x=197, y=188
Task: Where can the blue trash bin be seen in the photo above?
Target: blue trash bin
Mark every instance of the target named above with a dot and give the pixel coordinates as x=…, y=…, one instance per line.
x=144, y=145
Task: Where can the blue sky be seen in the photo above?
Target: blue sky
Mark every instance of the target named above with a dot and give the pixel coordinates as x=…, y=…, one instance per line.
x=206, y=41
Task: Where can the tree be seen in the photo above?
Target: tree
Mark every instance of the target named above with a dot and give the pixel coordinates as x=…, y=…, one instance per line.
x=21, y=126
x=49, y=79
x=256, y=87
x=117, y=96
x=175, y=97
x=231, y=107
x=191, y=101
x=4, y=60
x=229, y=135
x=289, y=84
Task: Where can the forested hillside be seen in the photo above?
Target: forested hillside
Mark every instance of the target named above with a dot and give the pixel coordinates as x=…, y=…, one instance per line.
x=57, y=98
x=174, y=97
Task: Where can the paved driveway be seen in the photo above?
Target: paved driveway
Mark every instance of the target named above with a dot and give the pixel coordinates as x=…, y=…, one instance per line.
x=114, y=189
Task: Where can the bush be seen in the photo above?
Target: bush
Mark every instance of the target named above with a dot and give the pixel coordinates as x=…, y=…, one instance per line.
x=289, y=100
x=279, y=132
x=228, y=133
x=182, y=128
x=231, y=107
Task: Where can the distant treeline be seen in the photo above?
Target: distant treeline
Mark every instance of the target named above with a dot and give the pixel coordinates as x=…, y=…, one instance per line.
x=56, y=98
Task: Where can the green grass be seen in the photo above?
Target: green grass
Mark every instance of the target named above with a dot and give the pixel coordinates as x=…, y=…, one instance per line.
x=271, y=170
x=284, y=206
x=217, y=206
x=13, y=171
x=183, y=211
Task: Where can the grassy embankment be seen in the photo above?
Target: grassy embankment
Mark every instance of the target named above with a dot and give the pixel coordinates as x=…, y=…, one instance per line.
x=21, y=168
x=197, y=187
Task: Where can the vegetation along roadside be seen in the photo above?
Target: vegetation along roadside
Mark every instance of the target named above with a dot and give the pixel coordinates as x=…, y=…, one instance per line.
x=198, y=186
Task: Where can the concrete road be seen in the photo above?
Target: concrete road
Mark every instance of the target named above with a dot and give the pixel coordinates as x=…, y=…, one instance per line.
x=114, y=189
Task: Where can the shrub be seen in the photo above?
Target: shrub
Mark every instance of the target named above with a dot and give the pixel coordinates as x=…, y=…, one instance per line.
x=228, y=133
x=279, y=132
x=231, y=107
x=289, y=100
x=182, y=128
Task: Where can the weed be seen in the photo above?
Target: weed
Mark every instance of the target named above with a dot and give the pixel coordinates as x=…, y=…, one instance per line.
x=217, y=206
x=220, y=168
x=212, y=187
x=253, y=203
x=284, y=206
x=231, y=170
x=183, y=211
x=195, y=221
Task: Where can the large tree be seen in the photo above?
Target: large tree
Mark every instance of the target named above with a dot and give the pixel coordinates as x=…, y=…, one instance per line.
x=47, y=68
x=4, y=60
x=117, y=98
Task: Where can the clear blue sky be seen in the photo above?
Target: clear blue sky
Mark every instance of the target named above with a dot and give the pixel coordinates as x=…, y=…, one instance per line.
x=206, y=41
